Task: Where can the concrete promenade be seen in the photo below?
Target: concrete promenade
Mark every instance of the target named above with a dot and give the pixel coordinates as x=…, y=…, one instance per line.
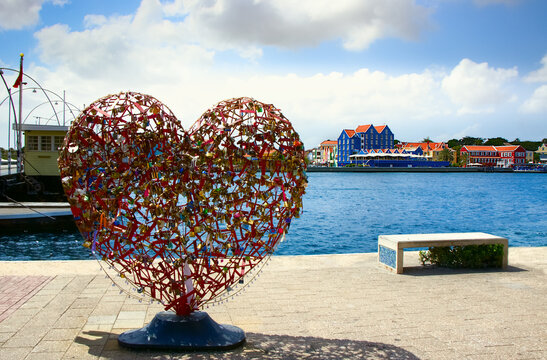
x=301, y=307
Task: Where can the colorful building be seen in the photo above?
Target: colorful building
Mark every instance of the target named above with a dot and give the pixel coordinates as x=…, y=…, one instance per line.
x=494, y=156
x=329, y=152
x=314, y=156
x=542, y=151
x=431, y=150
x=394, y=158
x=364, y=137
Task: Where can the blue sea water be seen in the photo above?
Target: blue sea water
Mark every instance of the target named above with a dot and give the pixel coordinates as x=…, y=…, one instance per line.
x=345, y=213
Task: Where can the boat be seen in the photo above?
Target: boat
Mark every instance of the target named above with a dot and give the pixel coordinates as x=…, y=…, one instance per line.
x=531, y=168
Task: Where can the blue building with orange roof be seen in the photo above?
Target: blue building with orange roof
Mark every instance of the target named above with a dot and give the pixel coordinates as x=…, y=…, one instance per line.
x=364, y=137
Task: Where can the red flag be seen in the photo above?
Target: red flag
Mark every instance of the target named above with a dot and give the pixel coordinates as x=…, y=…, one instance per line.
x=19, y=79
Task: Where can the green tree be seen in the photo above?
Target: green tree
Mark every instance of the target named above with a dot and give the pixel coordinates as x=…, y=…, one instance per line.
x=530, y=145
x=460, y=158
x=468, y=140
x=427, y=140
x=453, y=142
x=497, y=141
x=4, y=153
x=446, y=155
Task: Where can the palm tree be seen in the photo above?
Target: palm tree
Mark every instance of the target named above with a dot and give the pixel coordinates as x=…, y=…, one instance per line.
x=446, y=155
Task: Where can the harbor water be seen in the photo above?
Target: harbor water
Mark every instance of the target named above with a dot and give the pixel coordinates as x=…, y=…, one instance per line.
x=345, y=213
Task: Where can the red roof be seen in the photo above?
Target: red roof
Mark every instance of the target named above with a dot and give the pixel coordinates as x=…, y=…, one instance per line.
x=491, y=148
x=380, y=128
x=426, y=146
x=507, y=147
x=329, y=142
x=408, y=145
x=479, y=148
x=350, y=132
x=438, y=145
x=362, y=128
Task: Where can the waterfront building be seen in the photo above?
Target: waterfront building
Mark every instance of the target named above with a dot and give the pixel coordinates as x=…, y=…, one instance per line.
x=314, y=156
x=415, y=150
x=364, y=137
x=394, y=158
x=494, y=156
x=431, y=150
x=542, y=151
x=529, y=156
x=329, y=151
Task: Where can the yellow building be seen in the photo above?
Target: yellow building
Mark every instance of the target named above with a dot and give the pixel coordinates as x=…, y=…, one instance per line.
x=42, y=144
x=542, y=151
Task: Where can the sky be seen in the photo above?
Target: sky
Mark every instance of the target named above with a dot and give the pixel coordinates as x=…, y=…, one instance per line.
x=440, y=69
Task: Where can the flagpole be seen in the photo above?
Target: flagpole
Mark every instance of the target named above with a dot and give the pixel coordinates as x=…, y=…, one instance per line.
x=19, y=131
x=9, y=131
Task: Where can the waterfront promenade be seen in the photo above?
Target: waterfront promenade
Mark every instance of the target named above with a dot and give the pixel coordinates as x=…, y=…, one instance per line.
x=301, y=307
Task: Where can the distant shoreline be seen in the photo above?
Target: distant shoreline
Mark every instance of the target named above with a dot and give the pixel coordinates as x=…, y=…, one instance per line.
x=409, y=169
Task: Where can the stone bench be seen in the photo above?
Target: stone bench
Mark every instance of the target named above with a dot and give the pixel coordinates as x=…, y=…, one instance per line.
x=390, y=247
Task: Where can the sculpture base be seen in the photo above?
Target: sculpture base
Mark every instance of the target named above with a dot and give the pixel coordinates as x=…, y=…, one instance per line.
x=194, y=332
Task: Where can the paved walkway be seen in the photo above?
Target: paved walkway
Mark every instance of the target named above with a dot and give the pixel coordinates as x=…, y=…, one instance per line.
x=302, y=307
x=16, y=290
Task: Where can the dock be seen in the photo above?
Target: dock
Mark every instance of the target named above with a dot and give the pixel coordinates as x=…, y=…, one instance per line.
x=14, y=215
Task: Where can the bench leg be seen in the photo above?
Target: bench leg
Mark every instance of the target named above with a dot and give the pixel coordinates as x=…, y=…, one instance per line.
x=387, y=257
x=505, y=255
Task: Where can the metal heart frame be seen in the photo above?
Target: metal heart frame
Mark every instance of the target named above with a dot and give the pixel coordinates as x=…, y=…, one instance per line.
x=183, y=216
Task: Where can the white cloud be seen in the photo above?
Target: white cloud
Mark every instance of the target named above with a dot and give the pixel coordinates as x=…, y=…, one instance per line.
x=123, y=48
x=17, y=14
x=477, y=87
x=539, y=75
x=319, y=106
x=537, y=103
x=225, y=24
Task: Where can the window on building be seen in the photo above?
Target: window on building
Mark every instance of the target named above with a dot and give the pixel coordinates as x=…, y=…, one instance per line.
x=58, y=142
x=32, y=143
x=45, y=143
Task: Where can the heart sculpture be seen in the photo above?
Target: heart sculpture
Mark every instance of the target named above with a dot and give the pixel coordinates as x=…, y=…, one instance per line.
x=182, y=216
